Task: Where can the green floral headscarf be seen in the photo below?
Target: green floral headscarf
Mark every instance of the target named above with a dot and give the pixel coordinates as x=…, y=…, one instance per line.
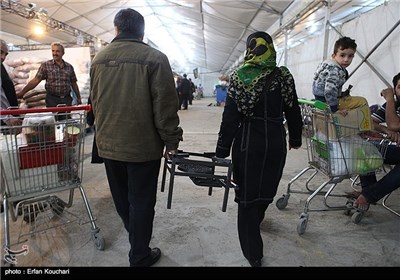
x=247, y=82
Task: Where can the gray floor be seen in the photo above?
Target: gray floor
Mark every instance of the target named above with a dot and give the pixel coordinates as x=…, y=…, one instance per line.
x=196, y=233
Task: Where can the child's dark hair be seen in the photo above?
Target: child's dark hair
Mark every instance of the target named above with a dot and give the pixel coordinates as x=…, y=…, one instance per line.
x=344, y=43
x=395, y=80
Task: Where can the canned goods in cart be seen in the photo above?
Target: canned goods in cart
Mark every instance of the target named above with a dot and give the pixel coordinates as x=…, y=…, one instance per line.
x=71, y=134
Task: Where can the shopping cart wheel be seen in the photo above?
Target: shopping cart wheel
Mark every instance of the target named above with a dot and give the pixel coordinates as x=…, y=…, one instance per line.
x=357, y=217
x=98, y=240
x=349, y=205
x=7, y=264
x=282, y=202
x=302, y=225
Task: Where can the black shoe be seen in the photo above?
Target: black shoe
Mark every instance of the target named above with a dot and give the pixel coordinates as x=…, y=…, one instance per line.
x=151, y=259
x=255, y=263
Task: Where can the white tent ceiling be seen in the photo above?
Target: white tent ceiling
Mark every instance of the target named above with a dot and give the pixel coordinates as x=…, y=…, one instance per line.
x=206, y=34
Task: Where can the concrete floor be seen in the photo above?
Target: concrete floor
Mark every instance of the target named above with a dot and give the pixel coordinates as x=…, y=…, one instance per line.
x=196, y=233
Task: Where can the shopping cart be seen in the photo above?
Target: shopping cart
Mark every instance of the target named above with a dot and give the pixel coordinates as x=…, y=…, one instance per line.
x=338, y=152
x=40, y=158
x=203, y=169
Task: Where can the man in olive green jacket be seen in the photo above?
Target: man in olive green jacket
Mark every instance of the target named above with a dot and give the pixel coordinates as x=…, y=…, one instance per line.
x=135, y=107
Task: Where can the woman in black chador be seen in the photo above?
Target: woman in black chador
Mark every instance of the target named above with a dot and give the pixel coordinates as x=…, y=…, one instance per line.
x=260, y=95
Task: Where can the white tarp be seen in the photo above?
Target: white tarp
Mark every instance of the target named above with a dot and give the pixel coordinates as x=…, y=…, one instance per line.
x=368, y=30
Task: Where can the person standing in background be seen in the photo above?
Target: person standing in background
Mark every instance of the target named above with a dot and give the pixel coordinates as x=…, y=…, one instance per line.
x=185, y=90
x=387, y=121
x=60, y=78
x=133, y=125
x=200, y=92
x=193, y=90
x=8, y=95
x=8, y=99
x=260, y=95
x=178, y=82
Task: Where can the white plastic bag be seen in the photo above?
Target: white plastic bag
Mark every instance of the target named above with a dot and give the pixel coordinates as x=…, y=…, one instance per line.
x=39, y=128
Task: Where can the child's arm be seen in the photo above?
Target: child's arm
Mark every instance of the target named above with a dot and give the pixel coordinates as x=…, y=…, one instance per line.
x=332, y=87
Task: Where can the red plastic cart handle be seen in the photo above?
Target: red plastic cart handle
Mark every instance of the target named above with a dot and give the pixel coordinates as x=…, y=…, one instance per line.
x=86, y=108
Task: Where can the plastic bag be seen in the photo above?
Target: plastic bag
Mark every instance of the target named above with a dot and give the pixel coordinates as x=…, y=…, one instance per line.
x=39, y=128
x=354, y=155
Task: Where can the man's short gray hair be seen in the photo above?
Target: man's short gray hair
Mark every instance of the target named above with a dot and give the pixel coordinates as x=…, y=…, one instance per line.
x=58, y=44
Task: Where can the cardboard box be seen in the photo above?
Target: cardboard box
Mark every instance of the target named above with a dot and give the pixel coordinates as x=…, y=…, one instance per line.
x=337, y=126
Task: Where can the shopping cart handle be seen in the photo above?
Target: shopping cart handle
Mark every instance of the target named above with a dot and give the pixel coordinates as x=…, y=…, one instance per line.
x=86, y=108
x=316, y=103
x=221, y=160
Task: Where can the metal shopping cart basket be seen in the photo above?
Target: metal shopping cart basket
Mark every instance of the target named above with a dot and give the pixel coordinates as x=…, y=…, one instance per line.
x=336, y=150
x=203, y=169
x=378, y=139
x=40, y=158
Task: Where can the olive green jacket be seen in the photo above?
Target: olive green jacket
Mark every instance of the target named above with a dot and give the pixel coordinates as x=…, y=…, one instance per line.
x=134, y=102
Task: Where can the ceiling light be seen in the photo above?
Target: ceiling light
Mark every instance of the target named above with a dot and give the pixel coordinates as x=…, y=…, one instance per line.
x=31, y=6
x=31, y=15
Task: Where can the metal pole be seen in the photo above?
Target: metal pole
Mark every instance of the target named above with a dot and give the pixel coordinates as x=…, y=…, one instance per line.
x=286, y=47
x=365, y=59
x=326, y=28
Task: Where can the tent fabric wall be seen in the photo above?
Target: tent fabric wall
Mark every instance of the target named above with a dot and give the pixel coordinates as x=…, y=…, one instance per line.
x=367, y=29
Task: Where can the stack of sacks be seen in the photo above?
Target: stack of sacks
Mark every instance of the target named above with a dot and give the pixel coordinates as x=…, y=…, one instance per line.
x=35, y=99
x=23, y=70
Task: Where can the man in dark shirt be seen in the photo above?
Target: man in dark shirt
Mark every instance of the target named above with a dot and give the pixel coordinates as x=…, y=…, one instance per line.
x=389, y=113
x=8, y=96
x=185, y=90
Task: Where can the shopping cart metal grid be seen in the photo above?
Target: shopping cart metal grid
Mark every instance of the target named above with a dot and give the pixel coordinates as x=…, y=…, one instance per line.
x=40, y=159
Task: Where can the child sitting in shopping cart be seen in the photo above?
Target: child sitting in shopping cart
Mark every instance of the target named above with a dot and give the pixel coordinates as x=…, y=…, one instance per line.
x=330, y=76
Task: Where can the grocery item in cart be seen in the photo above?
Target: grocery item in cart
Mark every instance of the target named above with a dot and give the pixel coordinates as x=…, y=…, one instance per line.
x=71, y=135
x=336, y=126
x=39, y=128
x=349, y=155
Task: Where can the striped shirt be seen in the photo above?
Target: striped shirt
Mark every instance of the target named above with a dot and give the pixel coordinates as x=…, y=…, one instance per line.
x=379, y=115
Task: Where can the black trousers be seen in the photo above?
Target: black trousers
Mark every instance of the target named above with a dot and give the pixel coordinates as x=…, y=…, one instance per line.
x=249, y=220
x=184, y=101
x=53, y=101
x=133, y=187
